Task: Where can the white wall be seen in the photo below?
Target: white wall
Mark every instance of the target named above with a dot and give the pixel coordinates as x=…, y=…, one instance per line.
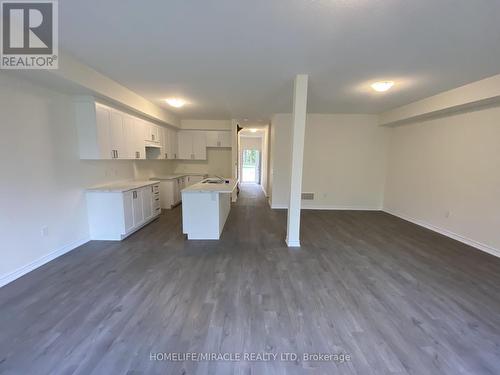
x=42, y=176
x=206, y=124
x=218, y=163
x=445, y=174
x=344, y=161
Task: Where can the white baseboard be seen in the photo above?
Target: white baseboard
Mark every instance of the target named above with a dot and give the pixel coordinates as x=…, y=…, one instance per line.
x=341, y=208
x=8, y=278
x=279, y=207
x=327, y=208
x=447, y=233
x=292, y=243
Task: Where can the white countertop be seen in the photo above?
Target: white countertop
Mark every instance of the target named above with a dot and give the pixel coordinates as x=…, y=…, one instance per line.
x=122, y=186
x=174, y=176
x=200, y=187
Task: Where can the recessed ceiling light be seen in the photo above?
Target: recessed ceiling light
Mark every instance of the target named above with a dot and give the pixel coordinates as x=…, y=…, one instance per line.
x=245, y=119
x=382, y=86
x=253, y=130
x=176, y=102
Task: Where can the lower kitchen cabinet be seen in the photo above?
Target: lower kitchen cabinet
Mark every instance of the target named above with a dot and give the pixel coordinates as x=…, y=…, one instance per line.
x=170, y=188
x=114, y=215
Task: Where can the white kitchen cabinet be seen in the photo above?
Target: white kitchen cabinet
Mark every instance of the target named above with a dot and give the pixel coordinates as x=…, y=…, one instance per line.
x=199, y=146
x=147, y=202
x=107, y=133
x=101, y=139
x=169, y=143
x=170, y=188
x=192, y=145
x=128, y=211
x=218, y=138
x=151, y=132
x=114, y=215
x=94, y=134
x=174, y=149
x=117, y=135
x=102, y=132
x=133, y=134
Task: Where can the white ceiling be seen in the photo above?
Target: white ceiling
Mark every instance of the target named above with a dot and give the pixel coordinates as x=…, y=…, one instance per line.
x=237, y=59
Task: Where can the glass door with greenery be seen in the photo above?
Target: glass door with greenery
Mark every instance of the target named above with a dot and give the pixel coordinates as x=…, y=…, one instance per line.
x=250, y=166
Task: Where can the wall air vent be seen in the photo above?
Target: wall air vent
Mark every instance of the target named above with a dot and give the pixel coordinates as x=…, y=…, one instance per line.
x=307, y=196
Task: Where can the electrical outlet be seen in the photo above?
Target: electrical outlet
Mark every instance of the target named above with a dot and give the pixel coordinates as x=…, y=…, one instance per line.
x=44, y=231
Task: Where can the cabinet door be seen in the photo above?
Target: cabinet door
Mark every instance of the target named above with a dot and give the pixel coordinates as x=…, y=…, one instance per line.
x=174, y=150
x=128, y=210
x=140, y=146
x=212, y=138
x=155, y=133
x=130, y=134
x=137, y=207
x=199, y=146
x=147, y=130
x=147, y=202
x=117, y=135
x=103, y=136
x=177, y=191
x=164, y=142
x=224, y=139
x=185, y=145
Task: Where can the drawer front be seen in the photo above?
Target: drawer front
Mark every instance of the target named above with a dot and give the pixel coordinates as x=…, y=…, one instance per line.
x=156, y=202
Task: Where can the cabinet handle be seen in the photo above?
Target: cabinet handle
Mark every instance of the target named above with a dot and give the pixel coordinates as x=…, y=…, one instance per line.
x=134, y=194
x=117, y=154
x=137, y=154
x=166, y=156
x=152, y=137
x=218, y=143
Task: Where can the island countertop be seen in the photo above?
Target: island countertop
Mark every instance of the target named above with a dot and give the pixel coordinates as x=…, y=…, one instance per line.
x=174, y=176
x=201, y=187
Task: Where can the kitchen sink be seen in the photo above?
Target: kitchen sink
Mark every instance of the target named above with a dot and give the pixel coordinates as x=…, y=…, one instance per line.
x=213, y=182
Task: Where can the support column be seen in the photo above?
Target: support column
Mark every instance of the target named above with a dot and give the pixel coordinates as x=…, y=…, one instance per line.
x=298, y=134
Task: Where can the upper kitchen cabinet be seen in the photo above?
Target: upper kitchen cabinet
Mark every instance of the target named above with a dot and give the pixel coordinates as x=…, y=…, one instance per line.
x=101, y=133
x=169, y=143
x=192, y=145
x=134, y=132
x=151, y=132
x=218, y=138
x=108, y=133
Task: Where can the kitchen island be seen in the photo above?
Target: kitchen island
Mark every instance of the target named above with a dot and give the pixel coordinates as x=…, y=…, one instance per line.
x=206, y=206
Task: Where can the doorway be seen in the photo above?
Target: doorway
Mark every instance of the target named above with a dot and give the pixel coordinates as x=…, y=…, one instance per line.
x=250, y=166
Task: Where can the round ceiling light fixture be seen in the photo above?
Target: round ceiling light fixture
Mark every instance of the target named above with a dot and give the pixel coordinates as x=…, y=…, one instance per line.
x=176, y=102
x=382, y=86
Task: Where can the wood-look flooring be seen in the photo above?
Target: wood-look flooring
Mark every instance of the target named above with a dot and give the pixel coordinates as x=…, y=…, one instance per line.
x=397, y=298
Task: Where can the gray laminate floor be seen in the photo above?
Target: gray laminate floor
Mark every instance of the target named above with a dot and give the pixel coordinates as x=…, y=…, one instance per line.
x=396, y=298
